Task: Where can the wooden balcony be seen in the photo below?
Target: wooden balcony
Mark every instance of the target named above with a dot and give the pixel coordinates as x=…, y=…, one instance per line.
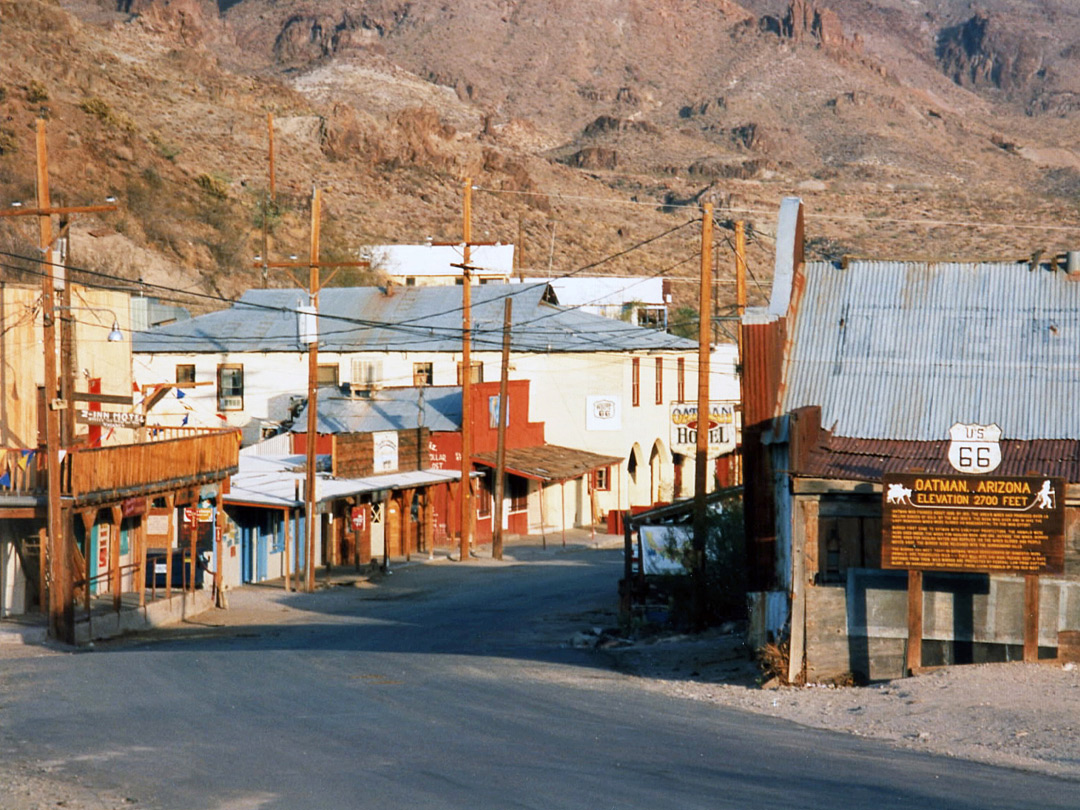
x=170, y=458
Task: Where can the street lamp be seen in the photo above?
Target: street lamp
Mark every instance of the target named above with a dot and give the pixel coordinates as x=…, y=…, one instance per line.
x=115, y=334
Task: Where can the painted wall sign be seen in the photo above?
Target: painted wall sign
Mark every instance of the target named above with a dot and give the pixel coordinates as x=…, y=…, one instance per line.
x=684, y=422
x=386, y=450
x=603, y=412
x=973, y=523
x=974, y=449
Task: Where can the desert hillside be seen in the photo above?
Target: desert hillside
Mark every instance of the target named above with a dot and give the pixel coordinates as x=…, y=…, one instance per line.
x=911, y=129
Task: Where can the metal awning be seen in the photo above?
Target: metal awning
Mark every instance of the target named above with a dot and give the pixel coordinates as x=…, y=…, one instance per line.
x=549, y=462
x=274, y=482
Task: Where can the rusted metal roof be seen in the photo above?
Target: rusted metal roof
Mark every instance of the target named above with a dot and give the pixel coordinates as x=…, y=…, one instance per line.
x=904, y=350
x=549, y=462
x=868, y=460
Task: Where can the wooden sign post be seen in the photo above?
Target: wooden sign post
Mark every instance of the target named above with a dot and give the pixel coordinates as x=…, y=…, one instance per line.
x=973, y=523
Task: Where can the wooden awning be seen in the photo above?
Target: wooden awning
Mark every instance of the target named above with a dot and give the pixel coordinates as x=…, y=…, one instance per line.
x=549, y=462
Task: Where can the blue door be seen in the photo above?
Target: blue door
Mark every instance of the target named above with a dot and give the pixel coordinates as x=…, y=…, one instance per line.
x=246, y=553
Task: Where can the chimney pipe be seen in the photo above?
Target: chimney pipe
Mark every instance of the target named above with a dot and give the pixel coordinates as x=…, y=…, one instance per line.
x=1072, y=262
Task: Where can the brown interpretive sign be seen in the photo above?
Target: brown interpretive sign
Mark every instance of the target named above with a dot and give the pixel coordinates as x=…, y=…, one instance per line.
x=973, y=523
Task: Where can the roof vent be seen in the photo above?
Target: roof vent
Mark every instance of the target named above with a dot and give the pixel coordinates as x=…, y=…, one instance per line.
x=1072, y=262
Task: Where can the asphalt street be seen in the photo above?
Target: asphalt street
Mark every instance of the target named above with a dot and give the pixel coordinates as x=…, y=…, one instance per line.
x=443, y=686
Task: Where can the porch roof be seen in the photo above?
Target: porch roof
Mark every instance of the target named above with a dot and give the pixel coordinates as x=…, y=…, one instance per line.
x=549, y=462
x=276, y=483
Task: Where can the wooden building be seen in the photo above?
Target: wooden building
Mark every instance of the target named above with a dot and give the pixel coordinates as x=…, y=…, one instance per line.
x=860, y=370
x=124, y=484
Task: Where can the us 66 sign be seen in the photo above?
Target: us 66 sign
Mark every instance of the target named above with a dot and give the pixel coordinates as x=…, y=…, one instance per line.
x=974, y=449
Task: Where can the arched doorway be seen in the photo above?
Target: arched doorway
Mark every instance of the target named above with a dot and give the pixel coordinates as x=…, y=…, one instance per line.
x=660, y=484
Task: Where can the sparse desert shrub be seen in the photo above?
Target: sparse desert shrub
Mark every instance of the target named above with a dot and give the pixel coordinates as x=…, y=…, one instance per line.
x=100, y=109
x=9, y=144
x=214, y=185
x=36, y=92
x=167, y=150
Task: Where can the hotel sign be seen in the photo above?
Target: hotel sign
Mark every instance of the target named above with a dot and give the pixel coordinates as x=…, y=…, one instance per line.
x=973, y=523
x=684, y=427
x=85, y=416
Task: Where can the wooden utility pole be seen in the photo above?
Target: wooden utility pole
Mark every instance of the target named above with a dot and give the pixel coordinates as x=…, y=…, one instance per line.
x=500, y=448
x=314, y=285
x=701, y=479
x=58, y=545
x=465, y=502
x=310, y=503
x=270, y=135
x=740, y=280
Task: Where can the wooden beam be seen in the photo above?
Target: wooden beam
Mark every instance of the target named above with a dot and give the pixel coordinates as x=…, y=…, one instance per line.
x=170, y=504
x=914, y=621
x=115, y=518
x=1031, y=618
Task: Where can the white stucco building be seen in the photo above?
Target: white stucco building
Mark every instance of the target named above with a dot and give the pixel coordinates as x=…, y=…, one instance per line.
x=599, y=385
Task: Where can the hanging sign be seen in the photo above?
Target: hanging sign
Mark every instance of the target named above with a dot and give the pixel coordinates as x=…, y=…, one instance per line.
x=359, y=518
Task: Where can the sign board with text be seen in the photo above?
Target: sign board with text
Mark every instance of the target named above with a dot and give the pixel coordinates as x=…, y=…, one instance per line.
x=85, y=416
x=721, y=427
x=978, y=523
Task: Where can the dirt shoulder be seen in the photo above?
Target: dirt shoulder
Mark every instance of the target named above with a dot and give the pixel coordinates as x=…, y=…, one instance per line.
x=1012, y=715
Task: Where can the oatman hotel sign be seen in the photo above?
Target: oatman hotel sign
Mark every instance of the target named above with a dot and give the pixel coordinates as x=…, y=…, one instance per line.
x=975, y=521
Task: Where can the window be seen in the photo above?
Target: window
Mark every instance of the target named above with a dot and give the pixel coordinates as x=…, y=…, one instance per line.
x=366, y=373
x=185, y=375
x=635, y=381
x=518, y=488
x=681, y=379
x=652, y=317
x=422, y=374
x=477, y=373
x=484, y=500
x=327, y=375
x=601, y=479
x=230, y=380
x=659, y=380
x=410, y=281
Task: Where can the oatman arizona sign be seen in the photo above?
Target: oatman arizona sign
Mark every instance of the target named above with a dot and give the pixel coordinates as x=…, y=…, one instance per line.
x=973, y=523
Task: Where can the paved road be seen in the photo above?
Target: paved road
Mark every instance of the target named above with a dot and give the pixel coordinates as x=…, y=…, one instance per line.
x=444, y=687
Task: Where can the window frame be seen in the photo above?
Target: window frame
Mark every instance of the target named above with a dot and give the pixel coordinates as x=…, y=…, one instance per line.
x=182, y=380
x=428, y=373
x=635, y=381
x=659, y=380
x=221, y=392
x=681, y=378
x=477, y=373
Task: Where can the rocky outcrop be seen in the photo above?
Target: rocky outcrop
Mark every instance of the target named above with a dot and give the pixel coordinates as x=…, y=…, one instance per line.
x=984, y=52
x=806, y=21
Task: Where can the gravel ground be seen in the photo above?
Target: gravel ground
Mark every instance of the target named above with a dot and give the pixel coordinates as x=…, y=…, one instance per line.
x=1013, y=715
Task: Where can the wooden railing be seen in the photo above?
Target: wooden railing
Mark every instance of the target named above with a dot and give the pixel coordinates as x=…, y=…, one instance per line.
x=188, y=459
x=22, y=471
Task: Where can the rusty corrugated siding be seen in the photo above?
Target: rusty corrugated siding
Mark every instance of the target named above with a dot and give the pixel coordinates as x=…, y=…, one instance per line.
x=903, y=350
x=869, y=459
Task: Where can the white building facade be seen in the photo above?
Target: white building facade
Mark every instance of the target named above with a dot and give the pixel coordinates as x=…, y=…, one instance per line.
x=598, y=385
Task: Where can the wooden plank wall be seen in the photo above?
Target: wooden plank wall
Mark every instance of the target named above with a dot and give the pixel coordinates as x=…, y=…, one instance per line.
x=354, y=453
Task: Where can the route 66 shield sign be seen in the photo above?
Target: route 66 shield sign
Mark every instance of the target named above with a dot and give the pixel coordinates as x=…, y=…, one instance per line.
x=974, y=448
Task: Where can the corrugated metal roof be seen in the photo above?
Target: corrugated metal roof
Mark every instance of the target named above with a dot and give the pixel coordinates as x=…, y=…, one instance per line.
x=904, y=350
x=358, y=319
x=868, y=460
x=271, y=482
x=387, y=409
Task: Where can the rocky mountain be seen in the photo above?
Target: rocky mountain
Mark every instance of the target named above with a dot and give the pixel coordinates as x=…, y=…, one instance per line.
x=921, y=128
